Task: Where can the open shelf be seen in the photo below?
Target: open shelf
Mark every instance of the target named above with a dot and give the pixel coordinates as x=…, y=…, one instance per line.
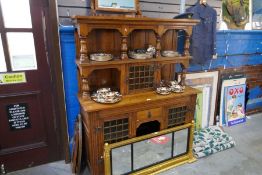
x=161, y=59
x=108, y=78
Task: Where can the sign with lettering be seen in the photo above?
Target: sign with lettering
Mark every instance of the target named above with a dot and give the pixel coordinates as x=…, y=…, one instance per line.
x=12, y=78
x=18, y=116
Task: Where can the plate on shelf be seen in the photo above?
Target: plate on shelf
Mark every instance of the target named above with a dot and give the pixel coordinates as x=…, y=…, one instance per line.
x=140, y=56
x=101, y=57
x=170, y=53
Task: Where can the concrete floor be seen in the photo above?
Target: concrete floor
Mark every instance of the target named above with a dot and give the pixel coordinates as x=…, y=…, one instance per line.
x=244, y=159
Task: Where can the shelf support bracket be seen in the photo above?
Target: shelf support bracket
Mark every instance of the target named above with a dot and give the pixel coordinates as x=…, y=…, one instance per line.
x=124, y=47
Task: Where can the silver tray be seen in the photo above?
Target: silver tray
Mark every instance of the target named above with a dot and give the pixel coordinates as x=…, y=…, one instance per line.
x=169, y=53
x=101, y=57
x=163, y=90
x=140, y=56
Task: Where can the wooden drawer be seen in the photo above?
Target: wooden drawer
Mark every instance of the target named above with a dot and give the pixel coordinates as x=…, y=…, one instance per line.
x=149, y=114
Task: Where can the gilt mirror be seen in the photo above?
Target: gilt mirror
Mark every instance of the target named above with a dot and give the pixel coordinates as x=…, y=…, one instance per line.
x=140, y=153
x=117, y=5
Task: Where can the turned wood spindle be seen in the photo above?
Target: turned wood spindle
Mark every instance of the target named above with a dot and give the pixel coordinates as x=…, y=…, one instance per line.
x=124, y=47
x=92, y=5
x=138, y=13
x=187, y=44
x=85, y=88
x=83, y=50
x=158, y=46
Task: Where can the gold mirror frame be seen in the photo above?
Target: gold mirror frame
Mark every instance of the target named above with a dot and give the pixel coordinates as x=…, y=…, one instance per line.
x=154, y=169
x=95, y=7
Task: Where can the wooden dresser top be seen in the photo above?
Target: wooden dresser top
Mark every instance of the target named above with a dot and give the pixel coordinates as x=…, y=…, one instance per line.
x=134, y=99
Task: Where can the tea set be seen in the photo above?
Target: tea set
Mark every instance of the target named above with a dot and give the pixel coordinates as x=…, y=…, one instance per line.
x=173, y=86
x=105, y=95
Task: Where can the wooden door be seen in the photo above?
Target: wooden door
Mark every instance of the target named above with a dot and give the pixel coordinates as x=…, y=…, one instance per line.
x=28, y=124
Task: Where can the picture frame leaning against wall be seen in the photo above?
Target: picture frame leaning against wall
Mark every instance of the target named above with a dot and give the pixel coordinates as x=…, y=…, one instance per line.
x=206, y=82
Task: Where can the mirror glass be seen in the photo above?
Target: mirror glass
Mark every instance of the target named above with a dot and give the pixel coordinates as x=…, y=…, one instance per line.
x=180, y=143
x=154, y=150
x=121, y=160
x=117, y=4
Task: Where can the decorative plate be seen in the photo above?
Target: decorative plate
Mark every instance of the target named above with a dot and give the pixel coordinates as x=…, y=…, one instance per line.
x=140, y=56
x=101, y=57
x=170, y=53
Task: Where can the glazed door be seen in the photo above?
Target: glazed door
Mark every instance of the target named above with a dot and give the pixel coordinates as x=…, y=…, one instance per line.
x=28, y=134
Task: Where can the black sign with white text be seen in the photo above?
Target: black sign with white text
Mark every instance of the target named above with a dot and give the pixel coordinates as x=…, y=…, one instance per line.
x=18, y=116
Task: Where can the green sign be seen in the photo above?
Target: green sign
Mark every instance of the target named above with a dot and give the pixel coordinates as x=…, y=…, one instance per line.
x=12, y=78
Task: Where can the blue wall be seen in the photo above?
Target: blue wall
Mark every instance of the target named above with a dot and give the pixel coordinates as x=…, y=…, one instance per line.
x=234, y=49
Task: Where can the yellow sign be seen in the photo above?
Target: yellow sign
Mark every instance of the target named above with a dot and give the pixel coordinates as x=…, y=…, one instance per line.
x=12, y=78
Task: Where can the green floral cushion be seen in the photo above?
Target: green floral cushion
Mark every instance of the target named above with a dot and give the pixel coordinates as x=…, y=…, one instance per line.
x=211, y=140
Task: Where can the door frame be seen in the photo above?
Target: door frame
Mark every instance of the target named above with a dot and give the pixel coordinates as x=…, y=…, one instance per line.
x=55, y=61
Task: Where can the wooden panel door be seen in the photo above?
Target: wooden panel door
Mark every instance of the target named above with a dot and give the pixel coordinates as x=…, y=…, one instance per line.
x=28, y=124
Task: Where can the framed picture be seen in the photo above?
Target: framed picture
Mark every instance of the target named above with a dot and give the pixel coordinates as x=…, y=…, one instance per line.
x=256, y=13
x=207, y=82
x=235, y=104
x=235, y=13
x=225, y=98
x=116, y=5
x=199, y=109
